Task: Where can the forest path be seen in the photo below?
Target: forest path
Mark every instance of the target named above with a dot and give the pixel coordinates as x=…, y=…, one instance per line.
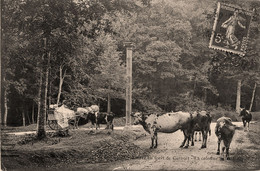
x=168, y=155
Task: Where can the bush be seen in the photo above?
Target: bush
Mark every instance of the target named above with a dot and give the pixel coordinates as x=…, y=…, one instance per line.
x=256, y=116
x=188, y=105
x=143, y=105
x=219, y=112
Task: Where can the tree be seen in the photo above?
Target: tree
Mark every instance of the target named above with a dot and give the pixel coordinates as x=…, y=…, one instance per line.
x=109, y=80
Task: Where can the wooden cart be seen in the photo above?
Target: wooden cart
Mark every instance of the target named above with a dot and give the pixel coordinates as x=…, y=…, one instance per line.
x=52, y=122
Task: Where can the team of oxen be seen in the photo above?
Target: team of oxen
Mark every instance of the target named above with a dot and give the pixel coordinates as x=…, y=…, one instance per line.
x=91, y=114
x=190, y=123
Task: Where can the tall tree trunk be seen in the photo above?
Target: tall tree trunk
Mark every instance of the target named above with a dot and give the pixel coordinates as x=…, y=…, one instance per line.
x=238, y=96
x=252, y=100
x=28, y=117
x=49, y=95
x=23, y=115
x=41, y=120
x=39, y=98
x=5, y=107
x=62, y=76
x=109, y=100
x=43, y=131
x=33, y=112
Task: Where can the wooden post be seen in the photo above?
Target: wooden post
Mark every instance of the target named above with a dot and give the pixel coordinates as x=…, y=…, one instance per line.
x=129, y=50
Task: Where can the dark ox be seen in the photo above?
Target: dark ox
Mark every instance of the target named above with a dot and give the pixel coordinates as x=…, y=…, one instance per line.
x=201, y=122
x=246, y=118
x=102, y=118
x=166, y=123
x=225, y=131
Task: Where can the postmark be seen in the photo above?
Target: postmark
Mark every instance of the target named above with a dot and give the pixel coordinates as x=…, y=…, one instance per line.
x=231, y=29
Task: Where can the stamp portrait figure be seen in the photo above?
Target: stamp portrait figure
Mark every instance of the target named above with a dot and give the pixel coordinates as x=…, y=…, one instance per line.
x=230, y=26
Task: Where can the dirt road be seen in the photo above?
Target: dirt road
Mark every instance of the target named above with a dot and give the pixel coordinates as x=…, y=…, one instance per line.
x=168, y=155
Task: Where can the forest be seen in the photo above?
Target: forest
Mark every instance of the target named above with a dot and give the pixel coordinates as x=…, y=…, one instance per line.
x=72, y=51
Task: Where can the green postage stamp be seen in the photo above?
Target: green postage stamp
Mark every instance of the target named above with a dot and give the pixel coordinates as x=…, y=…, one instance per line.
x=231, y=29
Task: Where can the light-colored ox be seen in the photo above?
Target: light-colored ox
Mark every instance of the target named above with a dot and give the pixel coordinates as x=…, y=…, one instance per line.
x=166, y=123
x=84, y=112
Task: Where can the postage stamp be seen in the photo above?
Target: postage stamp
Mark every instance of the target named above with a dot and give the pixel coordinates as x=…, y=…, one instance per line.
x=231, y=29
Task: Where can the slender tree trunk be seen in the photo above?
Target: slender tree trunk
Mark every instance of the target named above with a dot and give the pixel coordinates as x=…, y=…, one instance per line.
x=33, y=112
x=60, y=84
x=238, y=101
x=252, y=100
x=109, y=100
x=41, y=120
x=49, y=95
x=23, y=115
x=28, y=117
x=39, y=98
x=6, y=107
x=43, y=132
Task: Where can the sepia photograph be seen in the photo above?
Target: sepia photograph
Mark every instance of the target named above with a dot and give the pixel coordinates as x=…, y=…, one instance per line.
x=130, y=85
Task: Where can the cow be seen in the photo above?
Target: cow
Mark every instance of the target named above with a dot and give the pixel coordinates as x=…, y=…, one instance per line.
x=225, y=131
x=166, y=123
x=80, y=113
x=201, y=122
x=246, y=118
x=102, y=118
x=93, y=109
x=83, y=112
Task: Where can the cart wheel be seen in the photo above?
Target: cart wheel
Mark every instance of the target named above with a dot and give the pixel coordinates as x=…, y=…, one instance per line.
x=53, y=124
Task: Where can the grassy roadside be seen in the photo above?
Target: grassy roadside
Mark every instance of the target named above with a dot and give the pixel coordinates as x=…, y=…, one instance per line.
x=254, y=134
x=79, y=147
x=249, y=156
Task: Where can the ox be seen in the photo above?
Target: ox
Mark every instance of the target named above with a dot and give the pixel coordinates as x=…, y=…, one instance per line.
x=80, y=113
x=166, y=123
x=201, y=121
x=93, y=109
x=83, y=113
x=246, y=118
x=102, y=118
x=224, y=130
